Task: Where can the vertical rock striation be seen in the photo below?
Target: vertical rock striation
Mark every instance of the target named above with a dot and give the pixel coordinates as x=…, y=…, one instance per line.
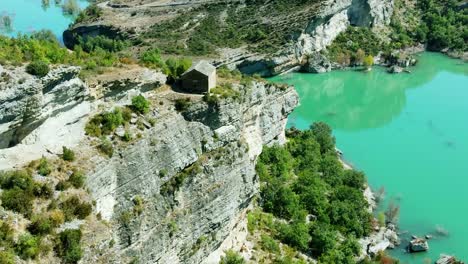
x=195, y=173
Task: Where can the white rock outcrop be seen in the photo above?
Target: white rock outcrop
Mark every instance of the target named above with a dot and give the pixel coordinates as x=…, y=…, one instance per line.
x=40, y=115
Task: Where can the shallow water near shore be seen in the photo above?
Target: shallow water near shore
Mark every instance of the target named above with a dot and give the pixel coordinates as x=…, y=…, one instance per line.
x=30, y=15
x=408, y=133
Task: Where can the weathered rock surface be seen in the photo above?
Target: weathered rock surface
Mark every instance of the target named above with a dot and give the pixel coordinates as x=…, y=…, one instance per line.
x=217, y=146
x=332, y=20
x=26, y=101
x=446, y=259
x=418, y=245
x=318, y=28
x=40, y=115
x=317, y=63
x=385, y=238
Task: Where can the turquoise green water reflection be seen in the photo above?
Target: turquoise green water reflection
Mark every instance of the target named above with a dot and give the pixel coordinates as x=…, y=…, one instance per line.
x=409, y=133
x=31, y=15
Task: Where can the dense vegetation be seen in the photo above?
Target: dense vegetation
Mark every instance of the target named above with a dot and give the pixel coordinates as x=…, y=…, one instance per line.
x=242, y=25
x=443, y=25
x=305, y=180
x=354, y=45
x=39, y=214
x=42, y=48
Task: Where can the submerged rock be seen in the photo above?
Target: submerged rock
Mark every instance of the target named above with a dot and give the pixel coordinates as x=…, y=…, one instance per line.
x=395, y=69
x=446, y=259
x=317, y=63
x=418, y=245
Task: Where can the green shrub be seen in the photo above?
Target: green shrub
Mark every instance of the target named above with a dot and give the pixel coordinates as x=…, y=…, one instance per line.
x=232, y=257
x=106, y=147
x=42, y=190
x=152, y=58
x=77, y=179
x=43, y=168
x=269, y=244
x=56, y=217
x=40, y=225
x=28, y=246
x=6, y=234
x=7, y=257
x=62, y=185
x=74, y=208
x=42, y=48
x=111, y=120
x=68, y=154
x=138, y=205
x=305, y=177
x=38, y=68
x=18, y=178
x=90, y=44
x=68, y=246
x=91, y=12
x=176, y=67
x=182, y=104
x=93, y=127
x=295, y=234
x=127, y=114
x=18, y=200
x=140, y=104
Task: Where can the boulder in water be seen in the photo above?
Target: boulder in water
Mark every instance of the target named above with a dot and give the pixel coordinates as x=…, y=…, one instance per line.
x=446, y=259
x=395, y=69
x=418, y=245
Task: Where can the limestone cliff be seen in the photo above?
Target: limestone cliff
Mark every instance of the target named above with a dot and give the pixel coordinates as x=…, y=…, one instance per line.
x=295, y=30
x=36, y=114
x=193, y=172
x=333, y=19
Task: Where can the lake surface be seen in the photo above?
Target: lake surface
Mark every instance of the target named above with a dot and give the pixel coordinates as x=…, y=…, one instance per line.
x=31, y=15
x=408, y=133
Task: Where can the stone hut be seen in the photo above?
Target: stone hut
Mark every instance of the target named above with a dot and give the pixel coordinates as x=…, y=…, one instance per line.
x=200, y=78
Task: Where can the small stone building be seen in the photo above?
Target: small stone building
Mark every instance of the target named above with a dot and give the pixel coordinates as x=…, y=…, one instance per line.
x=200, y=78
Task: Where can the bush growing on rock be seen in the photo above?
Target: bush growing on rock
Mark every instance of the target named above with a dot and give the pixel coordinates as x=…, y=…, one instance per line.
x=28, y=246
x=19, y=191
x=232, y=257
x=7, y=256
x=140, y=104
x=68, y=246
x=68, y=154
x=38, y=68
x=77, y=179
x=182, y=104
x=368, y=61
x=40, y=225
x=43, y=168
x=106, y=147
x=303, y=179
x=73, y=208
x=6, y=235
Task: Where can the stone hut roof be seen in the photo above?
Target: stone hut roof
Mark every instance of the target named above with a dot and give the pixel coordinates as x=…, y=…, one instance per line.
x=202, y=67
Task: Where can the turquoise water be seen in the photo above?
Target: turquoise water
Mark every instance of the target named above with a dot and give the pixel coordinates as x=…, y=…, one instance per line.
x=408, y=133
x=30, y=15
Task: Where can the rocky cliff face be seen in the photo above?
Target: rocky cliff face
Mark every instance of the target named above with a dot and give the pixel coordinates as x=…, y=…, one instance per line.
x=333, y=19
x=310, y=28
x=36, y=114
x=174, y=193
x=195, y=173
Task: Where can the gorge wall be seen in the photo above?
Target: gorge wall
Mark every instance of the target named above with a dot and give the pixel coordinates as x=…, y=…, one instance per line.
x=194, y=171
x=306, y=27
